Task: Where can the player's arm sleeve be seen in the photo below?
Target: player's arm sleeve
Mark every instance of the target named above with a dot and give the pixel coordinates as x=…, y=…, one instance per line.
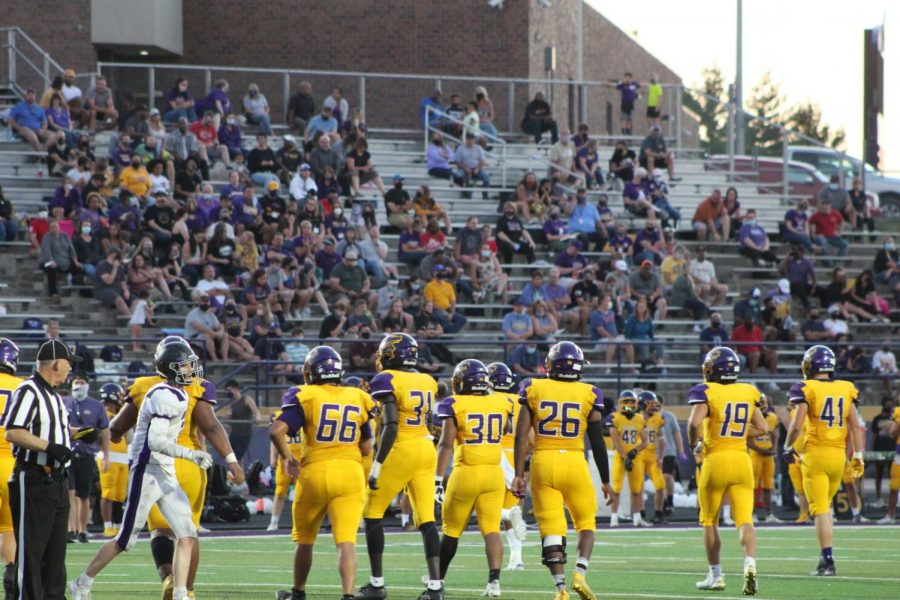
x=291, y=412
x=164, y=407
x=446, y=409
x=697, y=394
x=797, y=393
x=598, y=448
x=390, y=418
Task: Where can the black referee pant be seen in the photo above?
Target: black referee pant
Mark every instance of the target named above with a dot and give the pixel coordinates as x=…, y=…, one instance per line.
x=40, y=512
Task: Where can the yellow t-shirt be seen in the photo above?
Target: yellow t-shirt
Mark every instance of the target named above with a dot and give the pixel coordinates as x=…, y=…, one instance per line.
x=828, y=411
x=560, y=410
x=414, y=393
x=731, y=408
x=130, y=179
x=671, y=268
x=200, y=389
x=654, y=94
x=480, y=424
x=441, y=292
x=8, y=384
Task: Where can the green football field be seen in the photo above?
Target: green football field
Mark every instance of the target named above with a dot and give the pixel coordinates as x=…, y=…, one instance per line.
x=657, y=563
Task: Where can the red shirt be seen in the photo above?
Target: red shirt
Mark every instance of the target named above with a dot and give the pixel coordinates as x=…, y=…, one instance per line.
x=742, y=334
x=827, y=224
x=206, y=134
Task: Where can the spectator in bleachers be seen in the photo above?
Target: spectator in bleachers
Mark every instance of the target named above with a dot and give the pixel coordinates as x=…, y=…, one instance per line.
x=813, y=329
x=562, y=157
x=302, y=183
x=886, y=267
x=648, y=244
x=588, y=163
x=301, y=107
x=466, y=245
x=71, y=94
x=533, y=290
x=539, y=118
x=110, y=287
x=620, y=243
x=754, y=241
x=327, y=257
x=257, y=292
x=833, y=293
x=442, y=293
x=183, y=145
x=733, y=208
x=179, y=103
x=80, y=174
x=120, y=152
x=362, y=351
x=334, y=325
x=113, y=239
x=171, y=268
x=135, y=178
x=639, y=330
x=654, y=154
x=28, y=121
x=93, y=214
x=9, y=226
x=628, y=93
x=288, y=159
x=646, y=286
x=621, y=163
x=884, y=366
x=747, y=337
x=512, y=237
x=555, y=233
x=323, y=122
x=711, y=219
x=605, y=332
x=554, y=293
x=455, y=112
x=58, y=121
x=836, y=325
x=617, y=284
x=361, y=168
x=635, y=198
x=714, y=335
x=202, y=325
x=800, y=273
x=220, y=250
x=684, y=295
x=862, y=298
x=429, y=328
x=256, y=109
x=216, y=102
x=212, y=286
x=858, y=210
x=472, y=122
x=525, y=361
x=396, y=319
x=261, y=162
x=138, y=125
x=57, y=256
x=156, y=128
x=853, y=362
x=142, y=276
x=527, y=197
x=60, y=158
x=98, y=102
x=485, y=111
x=571, y=263
x=66, y=201
x=580, y=139
x=585, y=222
x=432, y=102
x=438, y=157
x=517, y=325
x=433, y=238
x=348, y=278
x=827, y=227
x=159, y=218
x=543, y=322
x=427, y=208
x=207, y=134
x=470, y=161
x=658, y=192
x=489, y=282
x=338, y=104
x=324, y=155
x=583, y=293
x=673, y=266
x=834, y=194
x=230, y=136
x=795, y=227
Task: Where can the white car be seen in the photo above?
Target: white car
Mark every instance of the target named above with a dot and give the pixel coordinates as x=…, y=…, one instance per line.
x=830, y=162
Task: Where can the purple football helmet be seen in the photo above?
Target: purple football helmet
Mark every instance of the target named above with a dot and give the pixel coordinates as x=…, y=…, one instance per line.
x=818, y=359
x=647, y=401
x=9, y=355
x=396, y=351
x=112, y=392
x=721, y=364
x=565, y=361
x=471, y=377
x=501, y=377
x=323, y=365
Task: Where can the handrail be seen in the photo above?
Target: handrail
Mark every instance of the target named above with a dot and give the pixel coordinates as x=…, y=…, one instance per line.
x=429, y=128
x=19, y=31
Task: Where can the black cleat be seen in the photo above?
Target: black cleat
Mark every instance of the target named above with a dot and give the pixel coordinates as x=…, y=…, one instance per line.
x=432, y=595
x=371, y=592
x=82, y=538
x=825, y=569
x=72, y=537
x=290, y=595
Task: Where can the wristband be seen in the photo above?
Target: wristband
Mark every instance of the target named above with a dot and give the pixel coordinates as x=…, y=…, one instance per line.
x=438, y=480
x=857, y=456
x=231, y=458
x=375, y=471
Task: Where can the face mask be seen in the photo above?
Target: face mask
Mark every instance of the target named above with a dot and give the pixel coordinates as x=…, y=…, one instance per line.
x=754, y=302
x=254, y=93
x=889, y=246
x=86, y=229
x=437, y=142
x=338, y=212
x=509, y=213
x=485, y=253
x=530, y=350
x=554, y=216
x=539, y=313
x=398, y=186
x=135, y=164
x=748, y=326
x=80, y=390
x=67, y=187
x=415, y=287
x=582, y=199
x=814, y=316
x=832, y=186
x=229, y=121
x=715, y=324
x=203, y=306
x=365, y=335
x=750, y=222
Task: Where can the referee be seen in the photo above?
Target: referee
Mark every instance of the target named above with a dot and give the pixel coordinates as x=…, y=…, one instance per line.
x=37, y=425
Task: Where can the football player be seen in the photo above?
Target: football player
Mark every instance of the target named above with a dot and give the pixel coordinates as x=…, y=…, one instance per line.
x=504, y=382
x=828, y=406
x=561, y=409
x=406, y=458
x=723, y=415
x=473, y=421
x=9, y=362
x=894, y=488
x=629, y=438
x=283, y=481
x=152, y=475
x=762, y=455
x=334, y=421
x=652, y=454
x=113, y=479
x=794, y=471
x=850, y=482
x=199, y=419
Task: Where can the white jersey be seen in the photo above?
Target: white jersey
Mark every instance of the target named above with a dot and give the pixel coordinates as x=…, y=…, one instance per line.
x=162, y=402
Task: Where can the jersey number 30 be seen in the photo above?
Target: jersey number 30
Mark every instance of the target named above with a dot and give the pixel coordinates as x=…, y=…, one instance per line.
x=336, y=422
x=561, y=420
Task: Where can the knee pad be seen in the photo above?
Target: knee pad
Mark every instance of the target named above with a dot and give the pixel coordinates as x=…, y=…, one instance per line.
x=163, y=549
x=553, y=550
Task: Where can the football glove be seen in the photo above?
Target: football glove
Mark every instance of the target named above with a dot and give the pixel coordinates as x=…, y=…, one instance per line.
x=629, y=464
x=201, y=459
x=857, y=466
x=790, y=455
x=439, y=490
x=632, y=454
x=60, y=453
x=88, y=435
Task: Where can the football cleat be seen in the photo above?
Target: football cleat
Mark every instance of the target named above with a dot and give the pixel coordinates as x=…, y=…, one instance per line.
x=580, y=587
x=728, y=521
x=751, y=585
x=825, y=569
x=770, y=518
x=802, y=518
x=860, y=519
x=110, y=532
x=517, y=522
x=432, y=595
x=614, y=520
x=515, y=566
x=492, y=590
x=709, y=583
x=191, y=595
x=886, y=520
x=290, y=595
x=272, y=527
x=168, y=587
x=371, y=592
x=561, y=595
x=78, y=592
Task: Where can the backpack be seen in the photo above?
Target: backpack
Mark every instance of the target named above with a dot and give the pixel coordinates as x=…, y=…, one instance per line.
x=225, y=509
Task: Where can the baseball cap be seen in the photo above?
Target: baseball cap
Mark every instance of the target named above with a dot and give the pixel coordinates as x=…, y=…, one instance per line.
x=399, y=177
x=785, y=286
x=272, y=185
x=621, y=265
x=154, y=111
x=351, y=254
x=646, y=263
x=755, y=293
x=438, y=268
x=289, y=138
x=54, y=350
x=328, y=242
x=657, y=172
x=576, y=243
x=305, y=167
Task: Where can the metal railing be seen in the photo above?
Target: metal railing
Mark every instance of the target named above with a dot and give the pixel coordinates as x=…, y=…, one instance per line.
x=441, y=117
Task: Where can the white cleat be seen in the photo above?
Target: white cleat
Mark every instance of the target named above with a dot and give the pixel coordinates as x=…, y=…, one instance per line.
x=751, y=585
x=773, y=519
x=709, y=583
x=643, y=523
x=614, y=520
x=518, y=522
x=728, y=521
x=77, y=592
x=886, y=520
x=515, y=566
x=492, y=590
x=272, y=527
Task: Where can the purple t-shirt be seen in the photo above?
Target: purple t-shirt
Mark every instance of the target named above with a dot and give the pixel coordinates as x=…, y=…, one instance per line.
x=756, y=233
x=632, y=191
x=209, y=103
x=557, y=227
x=409, y=238
x=622, y=244
x=796, y=218
x=567, y=261
x=643, y=234
x=800, y=270
x=628, y=91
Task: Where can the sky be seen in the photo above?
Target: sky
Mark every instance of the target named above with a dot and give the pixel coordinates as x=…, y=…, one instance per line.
x=813, y=49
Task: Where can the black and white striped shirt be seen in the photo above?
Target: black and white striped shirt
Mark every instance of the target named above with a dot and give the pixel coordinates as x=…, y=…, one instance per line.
x=35, y=406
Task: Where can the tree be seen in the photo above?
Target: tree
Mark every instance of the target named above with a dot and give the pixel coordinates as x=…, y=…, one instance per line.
x=806, y=118
x=711, y=109
x=765, y=108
